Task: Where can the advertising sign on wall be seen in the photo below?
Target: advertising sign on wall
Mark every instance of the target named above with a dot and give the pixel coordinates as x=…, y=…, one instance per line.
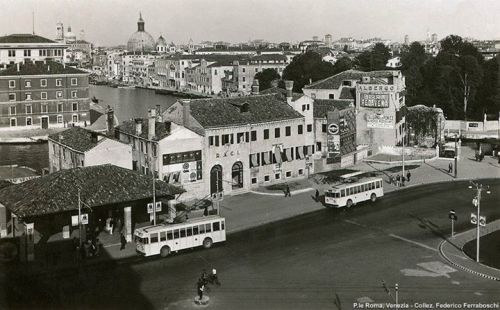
x=333, y=136
x=368, y=100
x=382, y=121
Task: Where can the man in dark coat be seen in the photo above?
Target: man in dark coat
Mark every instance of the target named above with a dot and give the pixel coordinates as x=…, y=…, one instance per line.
x=123, y=241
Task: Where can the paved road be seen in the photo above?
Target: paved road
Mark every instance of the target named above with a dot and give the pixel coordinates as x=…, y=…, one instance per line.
x=300, y=263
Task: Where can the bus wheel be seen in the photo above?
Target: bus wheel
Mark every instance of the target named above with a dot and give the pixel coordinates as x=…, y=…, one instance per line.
x=207, y=243
x=165, y=251
x=373, y=197
x=349, y=203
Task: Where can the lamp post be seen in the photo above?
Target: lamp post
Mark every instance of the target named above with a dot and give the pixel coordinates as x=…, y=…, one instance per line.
x=456, y=156
x=404, y=137
x=477, y=201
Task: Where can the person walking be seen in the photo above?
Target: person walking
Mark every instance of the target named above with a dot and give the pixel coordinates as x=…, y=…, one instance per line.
x=288, y=193
x=317, y=195
x=408, y=176
x=403, y=180
x=450, y=168
x=123, y=241
x=201, y=288
x=398, y=178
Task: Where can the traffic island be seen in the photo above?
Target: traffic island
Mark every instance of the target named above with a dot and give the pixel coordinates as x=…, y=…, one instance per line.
x=203, y=301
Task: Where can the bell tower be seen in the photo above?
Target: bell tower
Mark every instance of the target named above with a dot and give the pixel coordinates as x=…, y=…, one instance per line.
x=140, y=23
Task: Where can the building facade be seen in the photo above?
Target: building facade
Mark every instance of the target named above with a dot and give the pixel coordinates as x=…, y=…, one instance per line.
x=17, y=48
x=43, y=95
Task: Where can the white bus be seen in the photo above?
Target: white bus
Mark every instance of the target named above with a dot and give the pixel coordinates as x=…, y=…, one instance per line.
x=348, y=194
x=163, y=239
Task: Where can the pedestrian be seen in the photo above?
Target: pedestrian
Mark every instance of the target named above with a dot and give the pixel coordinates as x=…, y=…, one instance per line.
x=397, y=180
x=403, y=180
x=201, y=287
x=205, y=212
x=123, y=241
x=215, y=279
x=287, y=191
x=317, y=195
x=86, y=248
x=109, y=225
x=97, y=247
x=408, y=176
x=204, y=276
x=450, y=167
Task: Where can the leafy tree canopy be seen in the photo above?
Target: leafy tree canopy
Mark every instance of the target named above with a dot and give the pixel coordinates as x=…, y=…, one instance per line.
x=306, y=68
x=265, y=78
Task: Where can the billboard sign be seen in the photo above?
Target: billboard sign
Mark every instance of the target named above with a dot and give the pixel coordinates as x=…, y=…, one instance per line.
x=368, y=100
x=333, y=136
x=379, y=120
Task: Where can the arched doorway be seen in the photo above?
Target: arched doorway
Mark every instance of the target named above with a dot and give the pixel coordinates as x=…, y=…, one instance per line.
x=216, y=179
x=237, y=175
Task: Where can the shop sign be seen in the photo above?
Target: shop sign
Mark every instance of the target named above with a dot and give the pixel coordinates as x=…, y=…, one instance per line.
x=227, y=154
x=181, y=157
x=374, y=100
x=380, y=121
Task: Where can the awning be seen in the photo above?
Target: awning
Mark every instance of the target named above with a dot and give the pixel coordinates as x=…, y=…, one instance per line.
x=286, y=155
x=265, y=158
x=300, y=154
x=309, y=150
x=253, y=160
x=277, y=155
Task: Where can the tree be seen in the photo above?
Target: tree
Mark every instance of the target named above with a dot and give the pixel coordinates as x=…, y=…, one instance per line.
x=305, y=68
x=374, y=59
x=265, y=77
x=343, y=64
x=413, y=58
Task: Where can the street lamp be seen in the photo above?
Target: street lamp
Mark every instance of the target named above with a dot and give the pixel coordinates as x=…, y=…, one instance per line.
x=477, y=201
x=456, y=156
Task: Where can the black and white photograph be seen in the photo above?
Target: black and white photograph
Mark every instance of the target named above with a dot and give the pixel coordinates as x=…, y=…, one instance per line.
x=249, y=154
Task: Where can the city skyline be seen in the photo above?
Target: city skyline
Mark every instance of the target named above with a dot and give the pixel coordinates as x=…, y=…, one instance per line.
x=178, y=21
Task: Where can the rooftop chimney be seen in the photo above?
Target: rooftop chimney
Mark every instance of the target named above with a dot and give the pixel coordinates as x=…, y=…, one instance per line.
x=186, y=112
x=138, y=126
x=110, y=121
x=289, y=89
x=93, y=137
x=255, y=87
x=151, y=124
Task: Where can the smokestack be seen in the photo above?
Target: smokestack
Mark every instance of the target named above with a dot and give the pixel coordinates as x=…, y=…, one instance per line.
x=186, y=112
x=289, y=89
x=110, y=121
x=138, y=126
x=151, y=124
x=255, y=87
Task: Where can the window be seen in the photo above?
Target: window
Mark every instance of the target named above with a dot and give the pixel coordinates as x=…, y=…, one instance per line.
x=202, y=229
x=58, y=82
x=59, y=94
x=266, y=134
x=59, y=119
x=243, y=79
x=253, y=135
x=208, y=228
x=154, y=149
x=12, y=97
x=74, y=81
x=342, y=193
x=288, y=174
x=43, y=83
x=12, y=84
x=323, y=127
x=266, y=178
x=309, y=127
x=44, y=108
x=318, y=146
x=43, y=95
x=225, y=139
x=247, y=136
x=301, y=171
x=153, y=237
x=29, y=109
x=74, y=94
x=378, y=183
x=13, y=122
x=170, y=235
x=300, y=129
x=163, y=235
x=189, y=231
x=75, y=120
x=222, y=225
x=243, y=69
x=27, y=53
x=277, y=176
x=211, y=140
x=176, y=234
x=254, y=180
x=216, y=226
x=288, y=131
x=240, y=137
x=195, y=230
x=277, y=132
x=12, y=53
x=59, y=107
x=183, y=232
x=216, y=140
x=27, y=84
x=12, y=110
x=28, y=97
x=331, y=96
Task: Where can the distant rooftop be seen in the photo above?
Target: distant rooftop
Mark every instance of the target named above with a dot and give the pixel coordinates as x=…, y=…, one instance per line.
x=129, y=127
x=323, y=106
x=24, y=38
x=77, y=138
x=335, y=81
x=40, y=68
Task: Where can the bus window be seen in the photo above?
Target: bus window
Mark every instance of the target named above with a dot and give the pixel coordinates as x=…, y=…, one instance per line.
x=370, y=186
x=222, y=224
x=216, y=226
x=355, y=189
x=342, y=193
x=202, y=229
x=208, y=227
x=141, y=240
x=170, y=236
x=378, y=184
x=176, y=234
x=163, y=235
x=364, y=187
x=195, y=230
x=189, y=231
x=153, y=237
x=359, y=188
x=183, y=232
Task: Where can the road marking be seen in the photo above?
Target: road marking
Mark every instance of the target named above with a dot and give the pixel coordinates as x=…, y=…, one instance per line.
x=429, y=269
x=364, y=299
x=413, y=242
x=455, y=282
x=355, y=223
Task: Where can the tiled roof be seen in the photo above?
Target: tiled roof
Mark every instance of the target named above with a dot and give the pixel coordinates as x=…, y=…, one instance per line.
x=24, y=38
x=77, y=138
x=100, y=185
x=348, y=93
x=40, y=68
x=129, y=127
x=224, y=112
x=335, y=81
x=4, y=183
x=321, y=107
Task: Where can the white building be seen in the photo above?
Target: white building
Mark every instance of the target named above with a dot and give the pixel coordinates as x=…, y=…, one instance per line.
x=17, y=48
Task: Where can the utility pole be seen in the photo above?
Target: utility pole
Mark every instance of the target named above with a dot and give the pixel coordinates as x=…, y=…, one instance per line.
x=456, y=156
x=154, y=197
x=404, y=137
x=396, y=289
x=79, y=218
x=479, y=188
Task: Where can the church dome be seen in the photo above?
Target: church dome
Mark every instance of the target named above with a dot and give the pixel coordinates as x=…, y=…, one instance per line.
x=70, y=36
x=141, y=41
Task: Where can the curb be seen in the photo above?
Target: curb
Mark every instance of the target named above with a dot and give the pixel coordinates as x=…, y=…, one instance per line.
x=299, y=191
x=400, y=162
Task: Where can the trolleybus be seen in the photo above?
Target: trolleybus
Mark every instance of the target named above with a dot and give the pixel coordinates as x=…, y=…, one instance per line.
x=348, y=194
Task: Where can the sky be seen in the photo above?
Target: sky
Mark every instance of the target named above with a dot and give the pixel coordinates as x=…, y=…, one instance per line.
x=111, y=22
